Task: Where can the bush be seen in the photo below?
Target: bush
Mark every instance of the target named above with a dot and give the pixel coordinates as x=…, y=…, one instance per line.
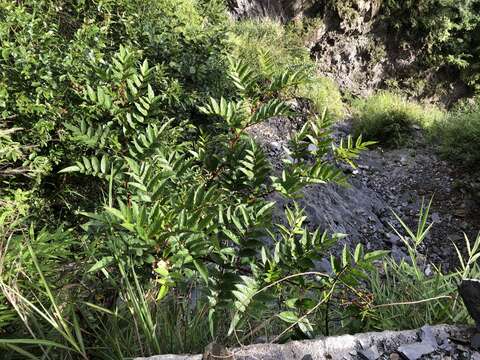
x=388, y=118
x=458, y=134
x=165, y=199
x=50, y=50
x=185, y=207
x=448, y=30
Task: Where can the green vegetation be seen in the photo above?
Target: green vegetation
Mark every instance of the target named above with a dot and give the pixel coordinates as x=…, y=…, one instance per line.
x=324, y=94
x=458, y=134
x=407, y=297
x=252, y=38
x=135, y=210
x=133, y=196
x=388, y=117
x=268, y=46
x=447, y=30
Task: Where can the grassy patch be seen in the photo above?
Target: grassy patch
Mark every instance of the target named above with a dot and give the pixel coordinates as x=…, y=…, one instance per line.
x=324, y=94
x=252, y=38
x=405, y=297
x=388, y=118
x=285, y=48
x=459, y=133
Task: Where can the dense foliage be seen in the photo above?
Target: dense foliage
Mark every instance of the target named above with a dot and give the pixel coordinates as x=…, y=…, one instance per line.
x=448, y=31
x=51, y=52
x=179, y=205
x=459, y=131
x=136, y=211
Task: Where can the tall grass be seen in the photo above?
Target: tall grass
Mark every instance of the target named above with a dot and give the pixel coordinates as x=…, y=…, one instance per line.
x=401, y=296
x=405, y=297
x=458, y=134
x=324, y=94
x=388, y=118
x=252, y=37
x=137, y=325
x=62, y=319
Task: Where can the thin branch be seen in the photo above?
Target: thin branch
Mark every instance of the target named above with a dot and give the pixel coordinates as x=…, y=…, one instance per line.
x=413, y=302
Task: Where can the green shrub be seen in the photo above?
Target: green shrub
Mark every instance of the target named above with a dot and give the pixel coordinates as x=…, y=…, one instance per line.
x=388, y=118
x=458, y=134
x=447, y=30
x=52, y=51
x=186, y=206
x=131, y=119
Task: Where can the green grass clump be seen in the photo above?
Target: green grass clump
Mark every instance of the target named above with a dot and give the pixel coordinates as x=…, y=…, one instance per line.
x=251, y=38
x=388, y=118
x=459, y=134
x=405, y=297
x=324, y=94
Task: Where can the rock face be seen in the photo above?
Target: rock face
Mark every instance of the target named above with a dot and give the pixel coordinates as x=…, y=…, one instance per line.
x=470, y=291
x=353, y=47
x=342, y=44
x=430, y=342
x=274, y=9
x=354, y=15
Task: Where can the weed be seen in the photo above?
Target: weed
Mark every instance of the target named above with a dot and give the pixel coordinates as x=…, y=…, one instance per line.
x=405, y=297
x=324, y=94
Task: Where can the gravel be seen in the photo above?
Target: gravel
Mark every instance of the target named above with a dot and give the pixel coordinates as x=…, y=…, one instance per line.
x=386, y=181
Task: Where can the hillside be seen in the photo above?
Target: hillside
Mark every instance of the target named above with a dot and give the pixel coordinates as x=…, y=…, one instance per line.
x=180, y=172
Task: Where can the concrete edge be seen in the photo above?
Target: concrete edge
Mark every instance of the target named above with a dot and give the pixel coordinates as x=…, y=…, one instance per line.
x=333, y=347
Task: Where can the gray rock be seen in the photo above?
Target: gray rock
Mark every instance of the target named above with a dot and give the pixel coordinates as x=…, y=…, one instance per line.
x=276, y=9
x=436, y=217
x=172, y=357
x=475, y=342
x=393, y=239
x=324, y=266
x=470, y=292
x=428, y=270
x=415, y=351
x=399, y=255
x=371, y=353
x=427, y=336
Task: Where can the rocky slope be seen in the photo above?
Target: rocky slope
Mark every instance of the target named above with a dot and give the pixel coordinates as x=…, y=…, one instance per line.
x=353, y=47
x=387, y=181
x=274, y=9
